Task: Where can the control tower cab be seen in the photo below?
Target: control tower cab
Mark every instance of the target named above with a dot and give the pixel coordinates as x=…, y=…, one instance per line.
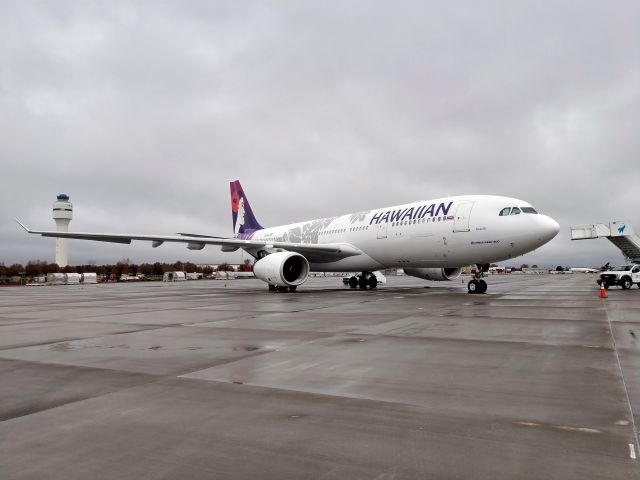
x=62, y=215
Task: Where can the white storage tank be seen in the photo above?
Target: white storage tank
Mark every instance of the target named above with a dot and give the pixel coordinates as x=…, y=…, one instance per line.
x=72, y=278
x=56, y=278
x=174, y=276
x=89, y=278
x=245, y=275
x=225, y=275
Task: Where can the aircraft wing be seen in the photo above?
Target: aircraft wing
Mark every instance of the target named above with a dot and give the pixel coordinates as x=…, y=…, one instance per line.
x=314, y=252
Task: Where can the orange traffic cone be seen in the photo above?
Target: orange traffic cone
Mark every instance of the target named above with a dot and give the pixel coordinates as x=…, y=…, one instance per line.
x=603, y=292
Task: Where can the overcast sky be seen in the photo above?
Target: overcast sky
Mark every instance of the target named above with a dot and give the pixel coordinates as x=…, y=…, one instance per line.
x=144, y=111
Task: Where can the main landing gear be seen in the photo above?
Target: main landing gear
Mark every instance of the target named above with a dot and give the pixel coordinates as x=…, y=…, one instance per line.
x=364, y=280
x=477, y=284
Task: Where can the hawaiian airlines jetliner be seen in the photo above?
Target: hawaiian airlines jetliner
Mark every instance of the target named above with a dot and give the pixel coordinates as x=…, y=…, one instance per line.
x=430, y=239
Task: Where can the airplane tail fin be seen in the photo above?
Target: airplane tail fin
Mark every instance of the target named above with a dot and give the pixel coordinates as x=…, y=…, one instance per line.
x=244, y=220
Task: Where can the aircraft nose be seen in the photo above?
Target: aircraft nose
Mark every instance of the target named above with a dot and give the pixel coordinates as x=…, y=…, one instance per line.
x=549, y=227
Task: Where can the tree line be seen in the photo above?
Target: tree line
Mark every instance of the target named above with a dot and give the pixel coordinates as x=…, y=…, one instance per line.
x=36, y=267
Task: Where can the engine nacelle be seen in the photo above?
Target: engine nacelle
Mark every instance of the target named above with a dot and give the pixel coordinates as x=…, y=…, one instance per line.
x=282, y=269
x=434, y=274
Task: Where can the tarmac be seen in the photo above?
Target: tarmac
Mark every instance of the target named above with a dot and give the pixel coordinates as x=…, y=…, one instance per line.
x=538, y=378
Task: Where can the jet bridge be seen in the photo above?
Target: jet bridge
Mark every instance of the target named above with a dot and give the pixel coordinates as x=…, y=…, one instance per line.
x=621, y=234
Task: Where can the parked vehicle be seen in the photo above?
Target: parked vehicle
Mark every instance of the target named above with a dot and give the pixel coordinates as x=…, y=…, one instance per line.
x=624, y=276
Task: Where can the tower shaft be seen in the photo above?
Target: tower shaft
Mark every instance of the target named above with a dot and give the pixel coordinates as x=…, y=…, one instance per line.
x=62, y=215
x=62, y=249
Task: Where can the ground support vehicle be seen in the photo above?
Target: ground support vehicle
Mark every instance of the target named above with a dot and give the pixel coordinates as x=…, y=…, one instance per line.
x=623, y=276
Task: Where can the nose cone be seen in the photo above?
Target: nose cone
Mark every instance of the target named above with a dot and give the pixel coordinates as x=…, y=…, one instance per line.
x=548, y=228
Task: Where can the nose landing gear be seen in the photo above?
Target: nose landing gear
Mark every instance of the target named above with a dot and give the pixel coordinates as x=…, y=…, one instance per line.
x=477, y=284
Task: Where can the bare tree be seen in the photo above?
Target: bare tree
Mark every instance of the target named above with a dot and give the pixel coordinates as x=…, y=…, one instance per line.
x=246, y=266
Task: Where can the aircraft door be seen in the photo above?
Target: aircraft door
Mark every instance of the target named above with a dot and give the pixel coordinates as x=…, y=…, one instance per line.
x=462, y=216
x=382, y=230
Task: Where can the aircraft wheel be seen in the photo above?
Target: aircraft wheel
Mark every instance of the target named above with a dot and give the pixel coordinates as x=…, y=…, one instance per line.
x=272, y=288
x=473, y=286
x=292, y=288
x=362, y=282
x=373, y=281
x=483, y=286
x=282, y=289
x=353, y=282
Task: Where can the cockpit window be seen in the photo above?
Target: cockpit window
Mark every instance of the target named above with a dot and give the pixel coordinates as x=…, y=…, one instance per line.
x=528, y=210
x=515, y=211
x=505, y=211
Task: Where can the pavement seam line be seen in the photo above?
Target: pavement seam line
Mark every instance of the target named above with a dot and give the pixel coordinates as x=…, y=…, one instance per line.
x=624, y=382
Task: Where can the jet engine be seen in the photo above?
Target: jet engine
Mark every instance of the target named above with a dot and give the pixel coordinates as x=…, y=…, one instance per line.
x=434, y=274
x=282, y=269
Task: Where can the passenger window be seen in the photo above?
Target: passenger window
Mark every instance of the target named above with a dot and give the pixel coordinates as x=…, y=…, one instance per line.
x=505, y=211
x=515, y=211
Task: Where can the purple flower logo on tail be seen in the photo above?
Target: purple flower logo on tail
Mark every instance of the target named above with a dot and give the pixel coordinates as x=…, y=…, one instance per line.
x=244, y=221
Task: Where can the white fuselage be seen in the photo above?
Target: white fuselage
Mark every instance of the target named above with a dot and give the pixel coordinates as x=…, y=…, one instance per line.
x=584, y=270
x=444, y=232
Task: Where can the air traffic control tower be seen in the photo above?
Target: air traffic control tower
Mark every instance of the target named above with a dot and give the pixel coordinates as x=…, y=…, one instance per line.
x=62, y=214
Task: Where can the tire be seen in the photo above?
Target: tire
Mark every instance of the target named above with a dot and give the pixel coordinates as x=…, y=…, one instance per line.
x=483, y=286
x=292, y=288
x=638, y=285
x=282, y=289
x=373, y=281
x=362, y=282
x=473, y=286
x=606, y=286
x=626, y=283
x=353, y=282
x=272, y=288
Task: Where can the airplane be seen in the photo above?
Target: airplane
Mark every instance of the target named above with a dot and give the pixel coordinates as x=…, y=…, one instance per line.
x=584, y=270
x=431, y=240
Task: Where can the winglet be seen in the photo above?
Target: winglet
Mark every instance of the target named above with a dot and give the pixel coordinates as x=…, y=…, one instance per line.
x=23, y=225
